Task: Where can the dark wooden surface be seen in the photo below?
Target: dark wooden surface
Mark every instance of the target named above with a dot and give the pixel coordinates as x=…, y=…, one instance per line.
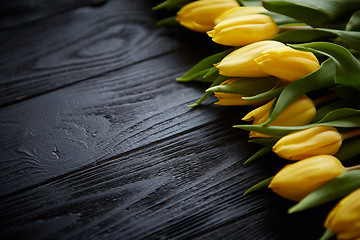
x=98, y=142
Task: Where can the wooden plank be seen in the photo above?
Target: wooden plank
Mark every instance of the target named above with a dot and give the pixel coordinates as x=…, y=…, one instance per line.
x=122, y=157
x=102, y=145
x=77, y=45
x=180, y=187
x=14, y=13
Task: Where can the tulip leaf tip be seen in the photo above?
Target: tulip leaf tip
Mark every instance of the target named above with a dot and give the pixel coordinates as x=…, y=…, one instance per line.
x=293, y=209
x=180, y=79
x=328, y=235
x=193, y=105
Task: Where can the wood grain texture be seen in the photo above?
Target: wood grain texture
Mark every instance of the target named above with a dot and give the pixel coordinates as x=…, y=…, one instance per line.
x=75, y=46
x=14, y=13
x=103, y=146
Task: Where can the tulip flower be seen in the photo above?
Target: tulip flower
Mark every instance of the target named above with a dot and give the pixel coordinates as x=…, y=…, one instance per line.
x=200, y=15
x=297, y=180
x=287, y=63
x=240, y=31
x=239, y=11
x=240, y=63
x=318, y=140
x=300, y=112
x=344, y=219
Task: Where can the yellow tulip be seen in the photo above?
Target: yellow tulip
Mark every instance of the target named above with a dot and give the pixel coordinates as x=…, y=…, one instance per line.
x=240, y=63
x=239, y=11
x=200, y=15
x=313, y=141
x=243, y=30
x=287, y=63
x=302, y=111
x=344, y=219
x=297, y=180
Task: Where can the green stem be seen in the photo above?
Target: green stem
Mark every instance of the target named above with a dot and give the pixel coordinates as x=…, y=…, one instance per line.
x=324, y=99
x=350, y=134
x=288, y=28
x=356, y=167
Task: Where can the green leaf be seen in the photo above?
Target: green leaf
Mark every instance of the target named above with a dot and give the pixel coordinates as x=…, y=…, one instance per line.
x=321, y=112
x=247, y=86
x=349, y=149
x=280, y=19
x=263, y=151
x=354, y=22
x=272, y=93
x=218, y=81
x=195, y=76
x=347, y=66
x=170, y=21
x=211, y=71
x=345, y=117
x=328, y=235
x=334, y=189
x=339, y=114
x=314, y=13
x=349, y=38
x=322, y=78
x=262, y=184
x=171, y=4
x=203, y=66
x=303, y=35
x=248, y=3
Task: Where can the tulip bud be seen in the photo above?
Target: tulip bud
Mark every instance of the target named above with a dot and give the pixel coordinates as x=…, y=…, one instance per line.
x=239, y=11
x=200, y=15
x=300, y=112
x=318, y=140
x=287, y=63
x=240, y=63
x=242, y=30
x=344, y=219
x=297, y=180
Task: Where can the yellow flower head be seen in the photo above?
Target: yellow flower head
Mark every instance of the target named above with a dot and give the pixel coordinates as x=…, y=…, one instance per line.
x=300, y=112
x=287, y=63
x=242, y=30
x=240, y=63
x=344, y=219
x=239, y=11
x=297, y=180
x=200, y=15
x=313, y=141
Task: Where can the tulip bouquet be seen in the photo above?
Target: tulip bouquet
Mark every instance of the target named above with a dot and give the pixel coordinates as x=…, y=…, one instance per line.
x=300, y=62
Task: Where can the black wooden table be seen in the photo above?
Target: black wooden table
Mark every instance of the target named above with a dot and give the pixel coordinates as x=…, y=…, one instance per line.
x=97, y=141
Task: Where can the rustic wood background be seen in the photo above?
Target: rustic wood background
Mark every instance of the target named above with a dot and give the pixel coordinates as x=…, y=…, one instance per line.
x=98, y=142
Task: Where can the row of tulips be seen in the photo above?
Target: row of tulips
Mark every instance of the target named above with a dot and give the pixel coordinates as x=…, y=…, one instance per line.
x=259, y=70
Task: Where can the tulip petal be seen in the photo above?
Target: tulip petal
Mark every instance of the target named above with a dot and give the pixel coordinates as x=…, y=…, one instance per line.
x=322, y=78
x=347, y=66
